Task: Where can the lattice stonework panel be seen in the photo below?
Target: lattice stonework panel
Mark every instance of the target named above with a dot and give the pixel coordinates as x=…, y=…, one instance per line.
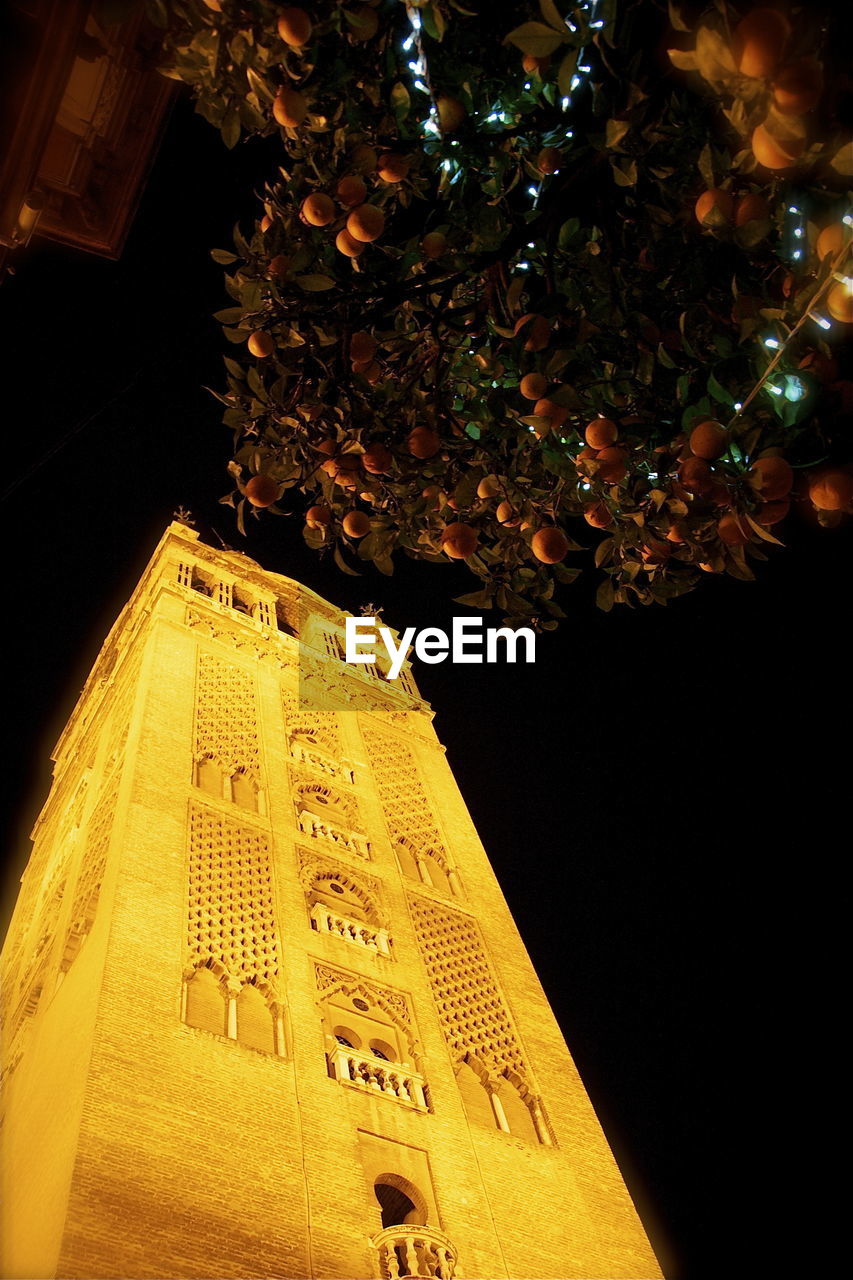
x=122, y=703
x=404, y=798
x=93, y=862
x=231, y=920
x=320, y=728
x=473, y=1015
x=226, y=722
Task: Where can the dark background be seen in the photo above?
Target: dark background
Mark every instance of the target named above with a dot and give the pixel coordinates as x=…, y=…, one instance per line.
x=664, y=795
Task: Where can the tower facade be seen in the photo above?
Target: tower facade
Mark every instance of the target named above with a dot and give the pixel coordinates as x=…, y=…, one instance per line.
x=267, y=1013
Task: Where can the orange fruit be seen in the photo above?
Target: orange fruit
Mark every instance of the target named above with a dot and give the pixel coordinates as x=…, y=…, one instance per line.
x=362, y=346
x=824, y=368
x=365, y=158
x=675, y=533
x=798, y=86
x=533, y=386
x=772, y=152
x=318, y=210
x=709, y=440
x=393, y=167
x=261, y=491
x=261, y=344
x=833, y=239
x=759, y=42
x=537, y=331
x=423, y=442
x=772, y=512
x=366, y=223
x=289, y=107
x=505, y=513
x=555, y=413
x=582, y=458
x=318, y=517
x=601, y=433
x=614, y=465
x=535, y=66
x=365, y=24
x=372, y=372
x=356, y=524
x=345, y=244
x=279, y=266
x=750, y=208
x=771, y=477
x=714, y=200
x=433, y=244
x=266, y=223
x=350, y=191
x=832, y=489
x=489, y=487
x=695, y=475
x=839, y=303
x=451, y=113
x=549, y=545
x=294, y=27
x=377, y=459
x=598, y=516
x=459, y=540
x=733, y=531
x=435, y=496
x=549, y=160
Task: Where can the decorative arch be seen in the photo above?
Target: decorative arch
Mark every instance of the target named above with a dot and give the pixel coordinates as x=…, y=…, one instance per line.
x=385, y=1009
x=474, y=1085
x=206, y=999
x=427, y=865
x=354, y=897
x=325, y=801
x=524, y=1115
x=400, y=1201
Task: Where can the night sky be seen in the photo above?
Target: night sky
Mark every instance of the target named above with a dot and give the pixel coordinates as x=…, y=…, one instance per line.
x=665, y=795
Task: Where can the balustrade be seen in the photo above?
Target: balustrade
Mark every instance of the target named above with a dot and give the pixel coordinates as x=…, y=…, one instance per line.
x=410, y=1251
x=320, y=828
x=364, y=935
x=375, y=1075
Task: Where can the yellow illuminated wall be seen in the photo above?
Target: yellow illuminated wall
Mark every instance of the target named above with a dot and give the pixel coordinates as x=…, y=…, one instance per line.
x=266, y=1011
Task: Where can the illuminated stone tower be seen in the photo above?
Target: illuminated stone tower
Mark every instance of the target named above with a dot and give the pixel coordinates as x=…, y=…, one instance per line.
x=267, y=1013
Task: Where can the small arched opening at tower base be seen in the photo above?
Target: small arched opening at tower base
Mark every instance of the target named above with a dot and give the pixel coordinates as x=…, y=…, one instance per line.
x=400, y=1202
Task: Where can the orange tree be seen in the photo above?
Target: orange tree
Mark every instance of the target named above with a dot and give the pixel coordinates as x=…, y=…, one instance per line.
x=524, y=271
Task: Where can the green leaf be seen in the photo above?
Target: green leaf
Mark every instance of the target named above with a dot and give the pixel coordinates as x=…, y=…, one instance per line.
x=616, y=130
x=604, y=596
x=683, y=60
x=475, y=599
x=566, y=71
x=536, y=39
x=705, y=165
x=231, y=128
x=675, y=19
x=551, y=15
x=842, y=161
x=315, y=284
x=400, y=101
x=624, y=171
x=229, y=315
x=343, y=566
x=719, y=392
x=223, y=257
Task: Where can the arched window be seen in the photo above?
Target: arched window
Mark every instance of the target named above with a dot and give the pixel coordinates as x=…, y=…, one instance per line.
x=437, y=874
x=244, y=791
x=399, y=1201
x=205, y=1007
x=254, y=1020
x=475, y=1097
x=518, y=1115
x=347, y=1037
x=208, y=777
x=407, y=861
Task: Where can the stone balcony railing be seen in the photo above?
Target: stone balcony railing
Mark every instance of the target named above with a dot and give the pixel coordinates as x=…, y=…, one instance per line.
x=310, y=824
x=323, y=764
x=364, y=935
x=375, y=1075
x=409, y=1251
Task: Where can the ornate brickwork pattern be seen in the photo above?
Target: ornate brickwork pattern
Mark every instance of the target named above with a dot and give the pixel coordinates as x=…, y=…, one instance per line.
x=231, y=920
x=87, y=890
x=226, y=727
x=394, y=1002
x=319, y=728
x=473, y=1015
x=408, y=810
x=122, y=699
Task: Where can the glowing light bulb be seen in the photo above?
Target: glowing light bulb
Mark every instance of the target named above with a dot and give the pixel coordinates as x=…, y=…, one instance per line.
x=776, y=391
x=772, y=343
x=822, y=321
x=533, y=191
x=799, y=232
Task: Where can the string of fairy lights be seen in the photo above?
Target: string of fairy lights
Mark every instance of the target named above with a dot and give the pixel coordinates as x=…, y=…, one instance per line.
x=795, y=242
